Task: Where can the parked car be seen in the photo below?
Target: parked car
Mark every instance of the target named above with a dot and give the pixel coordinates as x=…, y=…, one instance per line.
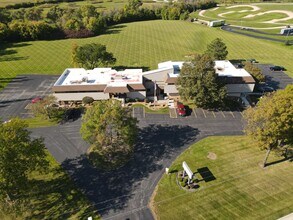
x=36, y=99
x=277, y=68
x=181, y=109
x=266, y=88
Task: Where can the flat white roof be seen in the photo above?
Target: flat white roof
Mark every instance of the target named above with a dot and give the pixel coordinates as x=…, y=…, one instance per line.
x=108, y=76
x=226, y=68
x=175, y=65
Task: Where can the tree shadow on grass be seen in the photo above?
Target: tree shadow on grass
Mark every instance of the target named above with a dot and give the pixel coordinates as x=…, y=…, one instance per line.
x=115, y=29
x=144, y=68
x=56, y=198
x=112, y=190
x=7, y=54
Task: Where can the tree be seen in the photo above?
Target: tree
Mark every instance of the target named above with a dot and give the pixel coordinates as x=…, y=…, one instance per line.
x=254, y=71
x=48, y=109
x=111, y=131
x=198, y=82
x=19, y=155
x=217, y=49
x=93, y=55
x=55, y=13
x=270, y=123
x=33, y=14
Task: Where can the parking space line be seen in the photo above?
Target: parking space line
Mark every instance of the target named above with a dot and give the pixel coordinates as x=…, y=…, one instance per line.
x=232, y=114
x=214, y=114
x=133, y=112
x=194, y=112
x=144, y=112
x=223, y=114
x=204, y=113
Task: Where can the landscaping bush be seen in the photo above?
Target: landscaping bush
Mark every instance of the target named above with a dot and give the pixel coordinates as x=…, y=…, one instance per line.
x=87, y=100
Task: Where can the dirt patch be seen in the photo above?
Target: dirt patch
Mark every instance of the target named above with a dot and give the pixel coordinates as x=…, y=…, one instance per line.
x=212, y=156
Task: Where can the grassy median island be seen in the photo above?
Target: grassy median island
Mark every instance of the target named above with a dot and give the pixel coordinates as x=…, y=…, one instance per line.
x=52, y=195
x=159, y=110
x=240, y=188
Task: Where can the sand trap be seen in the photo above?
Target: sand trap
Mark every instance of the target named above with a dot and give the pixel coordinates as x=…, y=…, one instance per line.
x=225, y=13
x=201, y=13
x=289, y=13
x=254, y=8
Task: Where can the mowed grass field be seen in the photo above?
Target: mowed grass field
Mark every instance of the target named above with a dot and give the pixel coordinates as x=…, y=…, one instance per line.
x=52, y=195
x=240, y=190
x=236, y=15
x=140, y=44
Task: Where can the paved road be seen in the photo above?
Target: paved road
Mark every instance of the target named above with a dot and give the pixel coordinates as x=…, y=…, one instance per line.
x=19, y=92
x=238, y=31
x=125, y=193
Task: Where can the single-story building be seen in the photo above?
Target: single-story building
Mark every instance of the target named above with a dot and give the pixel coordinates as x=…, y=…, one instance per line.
x=99, y=83
x=105, y=83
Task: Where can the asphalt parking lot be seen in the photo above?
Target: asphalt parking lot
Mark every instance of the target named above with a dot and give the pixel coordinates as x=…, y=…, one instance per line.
x=20, y=91
x=275, y=79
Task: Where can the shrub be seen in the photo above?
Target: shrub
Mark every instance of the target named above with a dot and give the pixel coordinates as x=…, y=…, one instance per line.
x=87, y=100
x=78, y=34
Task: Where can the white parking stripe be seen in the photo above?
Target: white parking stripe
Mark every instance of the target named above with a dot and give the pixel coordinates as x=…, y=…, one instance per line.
x=194, y=112
x=204, y=113
x=223, y=114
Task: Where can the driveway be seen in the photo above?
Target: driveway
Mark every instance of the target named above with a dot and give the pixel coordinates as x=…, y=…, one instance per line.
x=276, y=79
x=19, y=92
x=125, y=192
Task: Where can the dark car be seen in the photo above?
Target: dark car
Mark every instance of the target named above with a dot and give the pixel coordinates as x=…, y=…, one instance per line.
x=277, y=68
x=181, y=109
x=36, y=99
x=266, y=88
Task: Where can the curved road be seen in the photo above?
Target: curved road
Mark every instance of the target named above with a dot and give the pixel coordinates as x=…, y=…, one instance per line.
x=235, y=30
x=125, y=193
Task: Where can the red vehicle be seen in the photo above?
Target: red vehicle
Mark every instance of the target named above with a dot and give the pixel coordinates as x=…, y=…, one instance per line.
x=37, y=99
x=181, y=109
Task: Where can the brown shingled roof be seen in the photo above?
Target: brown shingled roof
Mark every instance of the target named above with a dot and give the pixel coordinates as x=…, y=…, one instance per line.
x=238, y=80
x=78, y=88
x=137, y=86
x=171, y=80
x=116, y=89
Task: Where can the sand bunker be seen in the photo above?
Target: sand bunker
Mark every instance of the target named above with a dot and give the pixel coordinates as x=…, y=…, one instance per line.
x=225, y=13
x=254, y=8
x=289, y=13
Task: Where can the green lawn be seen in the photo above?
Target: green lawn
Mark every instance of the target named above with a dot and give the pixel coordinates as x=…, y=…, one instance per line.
x=241, y=189
x=53, y=196
x=151, y=111
x=37, y=122
x=140, y=44
x=237, y=15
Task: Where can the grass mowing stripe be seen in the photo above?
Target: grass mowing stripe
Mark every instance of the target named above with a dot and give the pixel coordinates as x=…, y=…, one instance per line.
x=245, y=189
x=160, y=40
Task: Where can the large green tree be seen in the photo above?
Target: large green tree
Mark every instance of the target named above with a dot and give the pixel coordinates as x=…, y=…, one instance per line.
x=93, y=55
x=270, y=123
x=111, y=130
x=198, y=82
x=217, y=49
x=19, y=155
x=254, y=71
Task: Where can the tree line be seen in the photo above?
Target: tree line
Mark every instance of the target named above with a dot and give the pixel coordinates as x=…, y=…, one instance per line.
x=59, y=23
